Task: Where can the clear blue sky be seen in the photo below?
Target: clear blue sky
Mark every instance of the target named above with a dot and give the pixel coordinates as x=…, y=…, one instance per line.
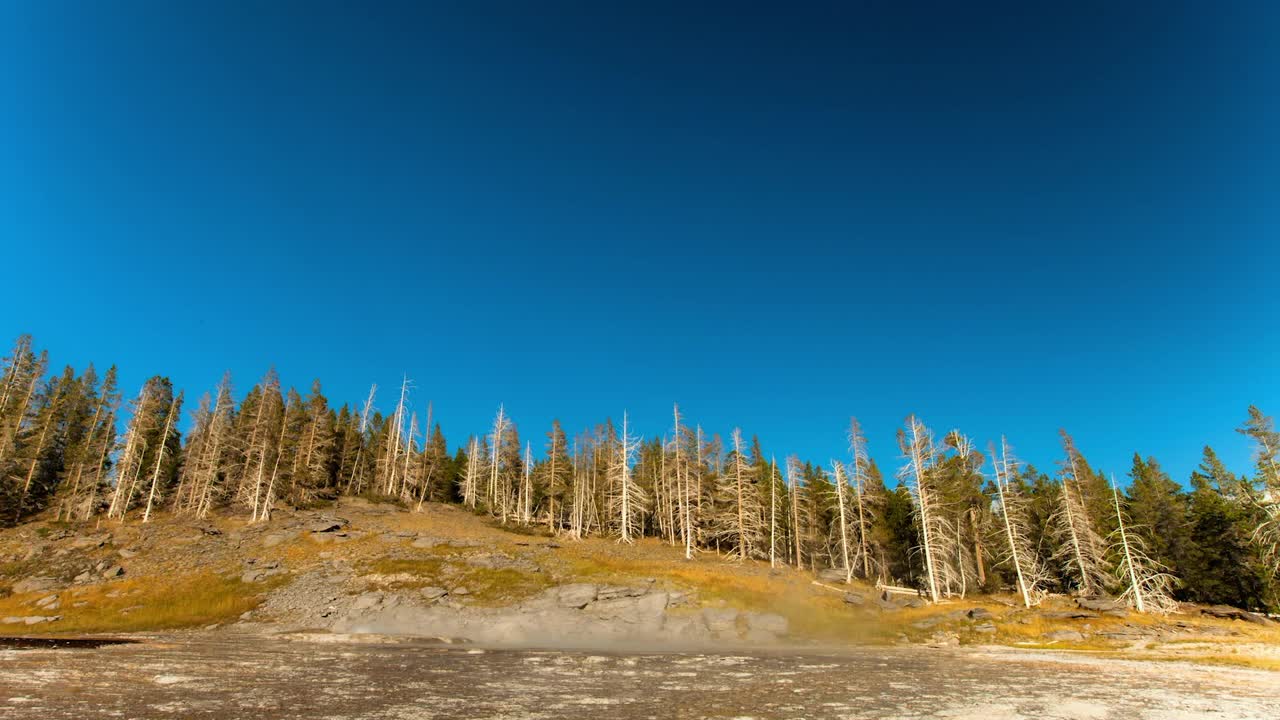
x=1002, y=217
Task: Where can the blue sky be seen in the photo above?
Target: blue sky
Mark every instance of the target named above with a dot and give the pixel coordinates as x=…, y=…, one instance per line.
x=1005, y=218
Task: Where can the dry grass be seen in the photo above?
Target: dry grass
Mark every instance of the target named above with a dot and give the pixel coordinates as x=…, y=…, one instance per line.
x=144, y=604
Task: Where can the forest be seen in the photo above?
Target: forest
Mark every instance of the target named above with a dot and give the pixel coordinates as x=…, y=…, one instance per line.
x=954, y=519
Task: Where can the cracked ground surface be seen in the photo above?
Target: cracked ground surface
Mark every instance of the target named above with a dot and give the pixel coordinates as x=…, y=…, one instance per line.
x=263, y=678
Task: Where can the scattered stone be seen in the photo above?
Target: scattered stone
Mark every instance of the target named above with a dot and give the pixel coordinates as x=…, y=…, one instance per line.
x=1064, y=635
x=979, y=614
x=424, y=543
x=460, y=590
x=49, y=602
x=114, y=571
x=210, y=530
x=83, y=577
x=126, y=553
x=272, y=540
x=852, y=598
x=552, y=546
x=985, y=629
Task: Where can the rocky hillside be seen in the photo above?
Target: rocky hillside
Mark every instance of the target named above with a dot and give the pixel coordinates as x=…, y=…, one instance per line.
x=378, y=570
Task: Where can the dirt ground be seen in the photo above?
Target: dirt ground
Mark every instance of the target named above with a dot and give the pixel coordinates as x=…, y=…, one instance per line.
x=224, y=676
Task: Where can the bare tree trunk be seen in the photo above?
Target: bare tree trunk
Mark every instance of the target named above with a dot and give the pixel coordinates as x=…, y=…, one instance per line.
x=174, y=409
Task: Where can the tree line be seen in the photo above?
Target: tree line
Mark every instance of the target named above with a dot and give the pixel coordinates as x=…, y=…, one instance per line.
x=956, y=520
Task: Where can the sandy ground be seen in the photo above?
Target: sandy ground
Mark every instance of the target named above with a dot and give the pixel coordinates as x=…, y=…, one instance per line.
x=227, y=676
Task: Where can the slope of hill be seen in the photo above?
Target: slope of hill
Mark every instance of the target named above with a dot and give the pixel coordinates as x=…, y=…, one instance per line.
x=378, y=570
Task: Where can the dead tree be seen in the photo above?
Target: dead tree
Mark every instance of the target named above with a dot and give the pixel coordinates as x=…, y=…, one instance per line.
x=1082, y=552
x=175, y=408
x=794, y=471
x=936, y=535
x=629, y=498
x=842, y=507
x=865, y=516
x=1146, y=585
x=1022, y=555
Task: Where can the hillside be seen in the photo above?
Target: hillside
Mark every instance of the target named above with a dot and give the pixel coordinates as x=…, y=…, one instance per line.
x=379, y=570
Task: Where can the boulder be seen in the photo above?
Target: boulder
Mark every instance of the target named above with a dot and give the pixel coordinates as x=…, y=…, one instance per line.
x=1099, y=604
x=30, y=619
x=767, y=622
x=32, y=584
x=327, y=525
x=367, y=600
x=577, y=595
x=722, y=622
x=985, y=629
x=90, y=541
x=272, y=540
x=851, y=598
x=1226, y=612
x=424, y=543
x=48, y=602
x=835, y=575
x=613, y=592
x=114, y=571
x=432, y=593
x=979, y=614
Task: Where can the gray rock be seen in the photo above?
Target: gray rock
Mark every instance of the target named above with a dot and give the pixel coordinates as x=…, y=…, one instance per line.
x=49, y=602
x=768, y=622
x=577, y=595
x=985, y=629
x=126, y=553
x=424, y=543
x=460, y=590
x=253, y=576
x=32, y=584
x=367, y=600
x=113, y=572
x=852, y=598
x=1064, y=635
x=979, y=614
x=272, y=540
x=83, y=577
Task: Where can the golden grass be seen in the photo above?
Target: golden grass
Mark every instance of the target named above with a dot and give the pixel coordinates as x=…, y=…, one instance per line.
x=144, y=604
x=485, y=586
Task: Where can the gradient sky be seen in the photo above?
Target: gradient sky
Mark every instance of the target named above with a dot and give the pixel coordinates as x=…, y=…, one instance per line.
x=1003, y=217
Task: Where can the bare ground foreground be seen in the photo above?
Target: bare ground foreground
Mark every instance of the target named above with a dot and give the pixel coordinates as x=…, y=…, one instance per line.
x=376, y=611
x=229, y=677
